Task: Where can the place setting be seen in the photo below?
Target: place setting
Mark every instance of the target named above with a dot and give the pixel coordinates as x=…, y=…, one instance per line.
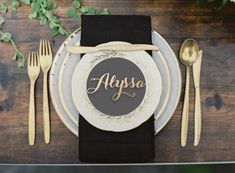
x=115, y=83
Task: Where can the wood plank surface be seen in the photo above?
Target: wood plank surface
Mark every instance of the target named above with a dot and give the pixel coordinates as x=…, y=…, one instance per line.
x=175, y=20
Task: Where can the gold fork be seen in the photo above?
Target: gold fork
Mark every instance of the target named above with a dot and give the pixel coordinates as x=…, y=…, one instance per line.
x=33, y=72
x=45, y=55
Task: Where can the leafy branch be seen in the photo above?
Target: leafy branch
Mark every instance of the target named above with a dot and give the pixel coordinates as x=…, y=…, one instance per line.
x=77, y=9
x=43, y=10
x=7, y=38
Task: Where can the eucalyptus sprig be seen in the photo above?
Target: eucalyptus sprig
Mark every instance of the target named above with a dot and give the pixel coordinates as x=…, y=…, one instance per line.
x=43, y=10
x=7, y=38
x=77, y=9
x=18, y=56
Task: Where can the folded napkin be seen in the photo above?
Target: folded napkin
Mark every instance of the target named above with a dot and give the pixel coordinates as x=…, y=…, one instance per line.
x=136, y=145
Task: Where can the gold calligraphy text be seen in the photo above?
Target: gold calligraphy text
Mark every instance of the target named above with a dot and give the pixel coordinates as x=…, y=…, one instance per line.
x=113, y=82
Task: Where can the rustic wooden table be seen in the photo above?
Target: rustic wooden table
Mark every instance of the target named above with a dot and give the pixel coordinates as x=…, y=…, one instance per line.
x=176, y=20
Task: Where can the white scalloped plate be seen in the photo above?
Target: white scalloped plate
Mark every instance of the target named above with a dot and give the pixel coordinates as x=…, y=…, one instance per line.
x=127, y=121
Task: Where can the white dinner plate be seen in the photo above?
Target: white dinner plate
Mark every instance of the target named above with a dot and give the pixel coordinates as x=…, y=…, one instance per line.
x=131, y=119
x=63, y=67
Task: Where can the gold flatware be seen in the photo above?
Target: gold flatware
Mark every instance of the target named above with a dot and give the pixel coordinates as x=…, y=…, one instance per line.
x=33, y=72
x=197, y=111
x=188, y=55
x=45, y=55
x=121, y=47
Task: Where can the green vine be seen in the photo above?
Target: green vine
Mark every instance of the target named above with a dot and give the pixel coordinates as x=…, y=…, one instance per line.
x=43, y=10
x=7, y=37
x=77, y=9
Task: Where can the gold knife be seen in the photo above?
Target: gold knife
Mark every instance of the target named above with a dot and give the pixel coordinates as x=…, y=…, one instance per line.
x=121, y=47
x=197, y=111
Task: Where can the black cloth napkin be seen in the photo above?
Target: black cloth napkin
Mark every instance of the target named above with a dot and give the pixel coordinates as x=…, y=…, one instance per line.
x=100, y=146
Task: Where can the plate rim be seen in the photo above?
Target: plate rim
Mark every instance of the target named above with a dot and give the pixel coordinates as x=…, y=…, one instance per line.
x=180, y=83
x=51, y=83
x=61, y=95
x=156, y=116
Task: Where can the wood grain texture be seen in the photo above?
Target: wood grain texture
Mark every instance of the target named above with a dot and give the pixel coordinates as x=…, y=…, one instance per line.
x=176, y=20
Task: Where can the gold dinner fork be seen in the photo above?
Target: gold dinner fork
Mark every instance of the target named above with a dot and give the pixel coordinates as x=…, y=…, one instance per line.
x=33, y=72
x=45, y=55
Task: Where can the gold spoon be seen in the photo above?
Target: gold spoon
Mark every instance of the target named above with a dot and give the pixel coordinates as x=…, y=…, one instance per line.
x=188, y=55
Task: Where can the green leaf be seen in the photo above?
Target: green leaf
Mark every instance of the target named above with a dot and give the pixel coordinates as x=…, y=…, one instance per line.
x=26, y=1
x=19, y=57
x=43, y=10
x=3, y=9
x=49, y=14
x=14, y=4
x=74, y=14
x=55, y=31
x=104, y=12
x=33, y=15
x=14, y=57
x=61, y=31
x=6, y=37
x=71, y=12
x=77, y=10
x=2, y=20
x=36, y=6
x=52, y=25
x=76, y=4
x=92, y=11
x=43, y=21
x=84, y=9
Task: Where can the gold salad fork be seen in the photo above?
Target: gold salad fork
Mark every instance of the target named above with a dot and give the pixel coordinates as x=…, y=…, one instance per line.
x=33, y=72
x=45, y=55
